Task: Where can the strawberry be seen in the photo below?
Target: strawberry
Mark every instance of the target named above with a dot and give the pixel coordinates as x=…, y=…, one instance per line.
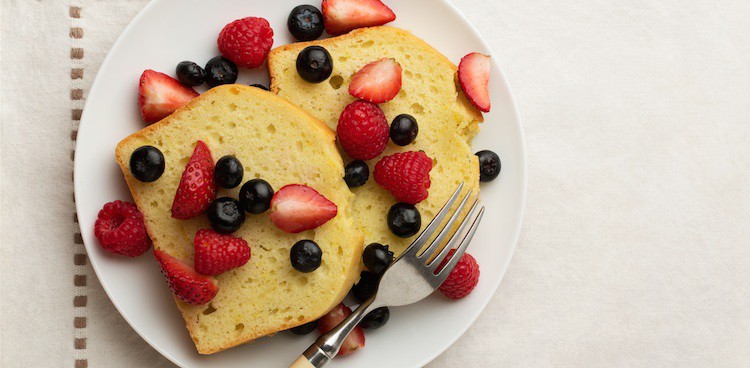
x=197, y=188
x=159, y=95
x=462, y=279
x=190, y=286
x=474, y=77
x=341, y=16
x=217, y=253
x=377, y=82
x=356, y=338
x=406, y=175
x=296, y=208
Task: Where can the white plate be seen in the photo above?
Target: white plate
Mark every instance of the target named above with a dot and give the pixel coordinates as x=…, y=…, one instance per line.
x=169, y=31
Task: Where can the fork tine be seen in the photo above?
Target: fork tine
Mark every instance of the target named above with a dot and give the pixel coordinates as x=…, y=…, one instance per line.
x=446, y=229
x=434, y=263
x=422, y=238
x=445, y=271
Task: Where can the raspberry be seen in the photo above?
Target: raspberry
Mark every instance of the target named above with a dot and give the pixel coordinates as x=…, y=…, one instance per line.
x=363, y=130
x=246, y=41
x=462, y=279
x=120, y=229
x=217, y=253
x=406, y=175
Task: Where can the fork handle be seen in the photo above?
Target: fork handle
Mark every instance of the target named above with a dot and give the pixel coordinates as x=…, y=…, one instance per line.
x=325, y=348
x=302, y=362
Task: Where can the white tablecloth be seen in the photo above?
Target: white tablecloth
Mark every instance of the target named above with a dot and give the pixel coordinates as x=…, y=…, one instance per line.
x=635, y=250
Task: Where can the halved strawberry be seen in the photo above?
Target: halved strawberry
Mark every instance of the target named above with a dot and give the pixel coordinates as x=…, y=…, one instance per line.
x=474, y=77
x=377, y=82
x=296, y=208
x=341, y=16
x=188, y=285
x=217, y=253
x=159, y=95
x=356, y=338
x=197, y=188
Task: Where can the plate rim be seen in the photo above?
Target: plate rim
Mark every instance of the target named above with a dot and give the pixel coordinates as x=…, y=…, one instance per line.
x=483, y=303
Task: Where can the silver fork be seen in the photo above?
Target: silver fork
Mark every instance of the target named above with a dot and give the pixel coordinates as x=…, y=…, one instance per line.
x=409, y=279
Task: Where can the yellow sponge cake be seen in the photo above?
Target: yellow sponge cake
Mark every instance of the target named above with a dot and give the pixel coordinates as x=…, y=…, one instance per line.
x=282, y=144
x=447, y=120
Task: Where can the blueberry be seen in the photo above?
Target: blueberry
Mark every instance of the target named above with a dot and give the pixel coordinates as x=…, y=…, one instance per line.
x=404, y=129
x=255, y=196
x=377, y=257
x=489, y=165
x=228, y=172
x=306, y=256
x=147, y=163
x=404, y=220
x=376, y=319
x=367, y=286
x=356, y=174
x=305, y=23
x=305, y=329
x=314, y=64
x=258, y=85
x=226, y=215
x=220, y=71
x=190, y=74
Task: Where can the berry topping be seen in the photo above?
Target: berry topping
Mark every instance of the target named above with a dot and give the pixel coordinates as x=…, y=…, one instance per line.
x=159, y=95
x=120, y=229
x=376, y=319
x=296, y=208
x=190, y=74
x=218, y=253
x=489, y=165
x=246, y=41
x=255, y=196
x=190, y=286
x=462, y=279
x=377, y=257
x=306, y=256
x=305, y=23
x=228, y=172
x=220, y=71
x=406, y=175
x=404, y=220
x=367, y=286
x=304, y=329
x=356, y=174
x=341, y=16
x=258, y=85
x=197, y=188
x=362, y=130
x=226, y=215
x=147, y=163
x=356, y=338
x=474, y=77
x=314, y=64
x=404, y=129
x=377, y=82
